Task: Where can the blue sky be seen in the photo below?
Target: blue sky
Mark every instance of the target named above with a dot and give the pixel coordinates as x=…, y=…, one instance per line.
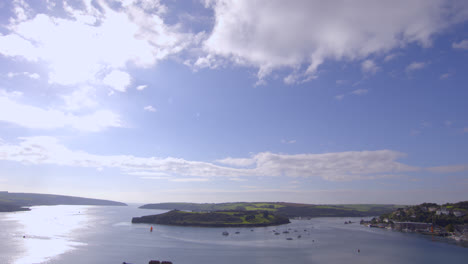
x=217, y=100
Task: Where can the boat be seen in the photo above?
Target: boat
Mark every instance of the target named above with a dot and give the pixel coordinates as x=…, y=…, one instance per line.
x=289, y=238
x=225, y=233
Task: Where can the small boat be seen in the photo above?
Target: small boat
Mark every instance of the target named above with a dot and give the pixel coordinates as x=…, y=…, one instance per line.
x=289, y=238
x=237, y=232
x=225, y=233
x=286, y=232
x=277, y=233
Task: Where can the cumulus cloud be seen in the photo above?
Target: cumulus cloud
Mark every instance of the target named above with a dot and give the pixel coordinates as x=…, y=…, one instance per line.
x=461, y=45
x=340, y=166
x=83, y=97
x=269, y=35
x=34, y=117
x=118, y=80
x=93, y=38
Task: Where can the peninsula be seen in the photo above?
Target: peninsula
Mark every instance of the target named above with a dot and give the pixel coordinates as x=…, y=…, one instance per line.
x=214, y=219
x=10, y=202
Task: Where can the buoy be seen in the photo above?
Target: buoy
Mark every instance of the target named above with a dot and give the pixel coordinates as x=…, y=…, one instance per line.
x=151, y=229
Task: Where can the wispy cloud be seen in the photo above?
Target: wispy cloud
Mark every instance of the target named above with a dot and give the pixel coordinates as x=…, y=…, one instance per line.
x=340, y=166
x=415, y=66
x=369, y=67
x=445, y=76
x=141, y=87
x=460, y=45
x=236, y=162
x=339, y=97
x=449, y=169
x=149, y=108
x=35, y=117
x=27, y=74
x=391, y=56
x=360, y=91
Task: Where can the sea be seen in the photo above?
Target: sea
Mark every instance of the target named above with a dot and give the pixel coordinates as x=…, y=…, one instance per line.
x=105, y=234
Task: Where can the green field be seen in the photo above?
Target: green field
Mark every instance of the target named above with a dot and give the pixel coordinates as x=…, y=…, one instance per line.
x=214, y=219
x=286, y=209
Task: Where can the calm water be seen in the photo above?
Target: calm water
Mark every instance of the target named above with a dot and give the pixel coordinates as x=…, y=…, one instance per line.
x=88, y=234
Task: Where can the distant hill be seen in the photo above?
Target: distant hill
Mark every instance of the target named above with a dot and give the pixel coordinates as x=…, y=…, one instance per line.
x=285, y=209
x=10, y=202
x=214, y=219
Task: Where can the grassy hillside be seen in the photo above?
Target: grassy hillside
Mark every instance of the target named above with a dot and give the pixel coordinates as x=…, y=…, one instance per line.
x=14, y=201
x=286, y=209
x=214, y=219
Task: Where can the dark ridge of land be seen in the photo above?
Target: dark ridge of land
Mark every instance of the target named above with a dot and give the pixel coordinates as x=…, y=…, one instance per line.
x=282, y=208
x=214, y=219
x=10, y=202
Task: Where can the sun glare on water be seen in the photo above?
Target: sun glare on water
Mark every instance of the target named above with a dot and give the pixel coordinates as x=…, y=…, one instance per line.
x=46, y=231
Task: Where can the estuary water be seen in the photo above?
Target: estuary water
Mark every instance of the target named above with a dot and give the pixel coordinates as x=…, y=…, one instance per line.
x=104, y=234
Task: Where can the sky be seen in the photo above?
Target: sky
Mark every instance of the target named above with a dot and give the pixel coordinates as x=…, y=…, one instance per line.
x=322, y=102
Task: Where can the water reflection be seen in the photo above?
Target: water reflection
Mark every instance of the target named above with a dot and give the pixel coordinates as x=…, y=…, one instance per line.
x=46, y=231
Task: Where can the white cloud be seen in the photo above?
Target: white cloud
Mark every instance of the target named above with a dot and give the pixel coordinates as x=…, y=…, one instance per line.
x=141, y=87
x=149, y=108
x=339, y=97
x=449, y=169
x=391, y=56
x=445, y=76
x=38, y=118
x=360, y=91
x=284, y=141
x=27, y=74
x=461, y=45
x=94, y=38
x=269, y=35
x=237, y=179
x=118, y=80
x=369, y=67
x=340, y=166
x=189, y=179
x=415, y=66
x=83, y=97
x=236, y=162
